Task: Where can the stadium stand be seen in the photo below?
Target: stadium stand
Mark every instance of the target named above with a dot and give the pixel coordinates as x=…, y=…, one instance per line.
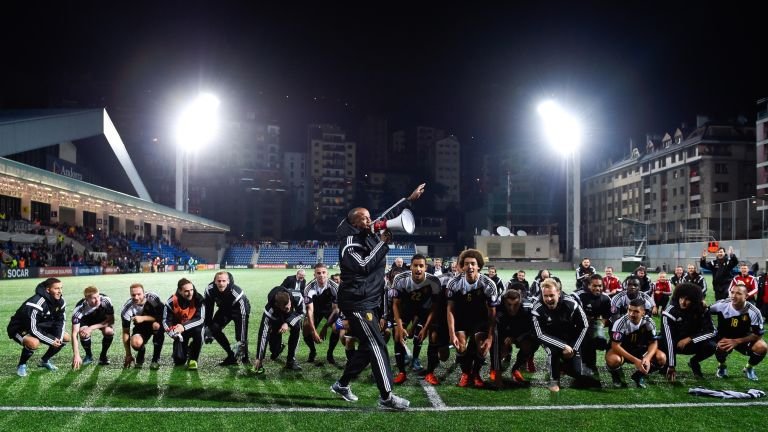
x=289, y=256
x=238, y=255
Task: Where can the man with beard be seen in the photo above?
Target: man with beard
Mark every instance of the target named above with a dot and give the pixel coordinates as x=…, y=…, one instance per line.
x=231, y=306
x=471, y=313
x=415, y=298
x=40, y=319
x=597, y=308
x=740, y=328
x=183, y=321
x=561, y=327
x=646, y=286
x=634, y=340
x=145, y=311
x=721, y=268
x=687, y=329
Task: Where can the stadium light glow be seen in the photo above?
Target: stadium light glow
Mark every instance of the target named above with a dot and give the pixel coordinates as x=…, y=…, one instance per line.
x=198, y=123
x=562, y=130
x=196, y=127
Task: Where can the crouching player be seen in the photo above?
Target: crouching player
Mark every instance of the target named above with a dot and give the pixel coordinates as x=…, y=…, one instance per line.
x=93, y=312
x=514, y=326
x=740, y=328
x=145, y=311
x=38, y=320
x=634, y=339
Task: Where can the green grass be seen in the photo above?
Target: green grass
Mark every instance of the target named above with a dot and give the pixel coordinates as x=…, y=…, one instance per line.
x=238, y=388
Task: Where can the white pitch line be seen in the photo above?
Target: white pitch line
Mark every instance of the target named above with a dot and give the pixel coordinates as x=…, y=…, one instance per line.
x=347, y=410
x=434, y=398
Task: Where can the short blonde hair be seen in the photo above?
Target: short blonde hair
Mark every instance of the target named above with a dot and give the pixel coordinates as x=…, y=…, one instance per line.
x=89, y=291
x=550, y=283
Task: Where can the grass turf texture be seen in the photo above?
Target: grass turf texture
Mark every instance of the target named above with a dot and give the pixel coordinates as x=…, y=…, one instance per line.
x=214, y=387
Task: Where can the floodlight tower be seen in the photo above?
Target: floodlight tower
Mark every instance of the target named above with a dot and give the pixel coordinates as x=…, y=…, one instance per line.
x=196, y=127
x=563, y=132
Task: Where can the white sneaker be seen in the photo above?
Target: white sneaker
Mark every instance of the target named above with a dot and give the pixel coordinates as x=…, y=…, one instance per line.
x=394, y=403
x=344, y=392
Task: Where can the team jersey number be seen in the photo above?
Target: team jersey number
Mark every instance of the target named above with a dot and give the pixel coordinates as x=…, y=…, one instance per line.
x=416, y=296
x=734, y=322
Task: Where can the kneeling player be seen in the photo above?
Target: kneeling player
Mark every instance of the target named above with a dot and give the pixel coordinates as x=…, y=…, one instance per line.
x=514, y=326
x=740, y=328
x=183, y=320
x=634, y=340
x=145, y=311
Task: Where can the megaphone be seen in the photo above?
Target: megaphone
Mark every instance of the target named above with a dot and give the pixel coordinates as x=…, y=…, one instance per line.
x=403, y=223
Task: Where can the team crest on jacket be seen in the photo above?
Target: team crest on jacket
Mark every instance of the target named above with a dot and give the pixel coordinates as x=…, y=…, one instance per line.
x=369, y=316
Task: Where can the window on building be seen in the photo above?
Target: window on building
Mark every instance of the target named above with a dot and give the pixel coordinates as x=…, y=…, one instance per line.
x=721, y=187
x=721, y=168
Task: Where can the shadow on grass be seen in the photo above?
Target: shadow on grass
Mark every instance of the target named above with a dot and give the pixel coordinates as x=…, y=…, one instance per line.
x=193, y=390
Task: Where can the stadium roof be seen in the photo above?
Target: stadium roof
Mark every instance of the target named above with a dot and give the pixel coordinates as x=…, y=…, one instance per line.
x=33, y=129
x=24, y=130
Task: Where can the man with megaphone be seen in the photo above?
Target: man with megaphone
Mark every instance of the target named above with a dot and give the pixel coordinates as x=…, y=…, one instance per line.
x=362, y=259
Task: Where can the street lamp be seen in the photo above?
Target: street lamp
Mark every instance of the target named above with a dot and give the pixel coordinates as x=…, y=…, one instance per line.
x=563, y=132
x=197, y=125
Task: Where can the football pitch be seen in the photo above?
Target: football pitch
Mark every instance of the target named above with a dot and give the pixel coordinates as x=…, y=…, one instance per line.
x=106, y=398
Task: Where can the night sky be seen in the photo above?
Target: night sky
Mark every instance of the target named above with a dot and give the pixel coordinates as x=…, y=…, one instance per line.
x=627, y=68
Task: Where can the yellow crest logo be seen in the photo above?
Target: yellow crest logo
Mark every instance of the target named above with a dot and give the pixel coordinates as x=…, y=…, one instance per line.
x=369, y=316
